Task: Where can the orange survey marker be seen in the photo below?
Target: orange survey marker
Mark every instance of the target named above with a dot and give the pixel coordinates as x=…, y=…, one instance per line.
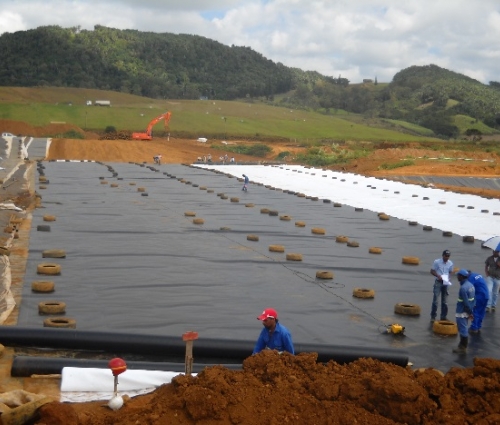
x=189, y=337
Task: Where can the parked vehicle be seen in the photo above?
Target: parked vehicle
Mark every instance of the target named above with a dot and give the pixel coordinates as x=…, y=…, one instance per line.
x=102, y=103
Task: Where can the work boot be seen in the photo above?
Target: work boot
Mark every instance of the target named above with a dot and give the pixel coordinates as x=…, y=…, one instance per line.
x=462, y=346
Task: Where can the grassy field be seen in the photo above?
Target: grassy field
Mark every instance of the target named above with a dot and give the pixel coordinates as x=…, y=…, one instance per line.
x=464, y=122
x=411, y=127
x=191, y=118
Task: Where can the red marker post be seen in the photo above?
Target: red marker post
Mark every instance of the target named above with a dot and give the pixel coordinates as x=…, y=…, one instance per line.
x=117, y=366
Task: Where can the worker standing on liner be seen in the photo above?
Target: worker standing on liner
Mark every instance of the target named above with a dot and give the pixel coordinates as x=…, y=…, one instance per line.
x=245, y=182
x=441, y=270
x=465, y=306
x=481, y=301
x=274, y=336
x=492, y=277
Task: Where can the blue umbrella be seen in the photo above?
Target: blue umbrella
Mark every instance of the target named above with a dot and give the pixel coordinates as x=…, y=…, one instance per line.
x=493, y=243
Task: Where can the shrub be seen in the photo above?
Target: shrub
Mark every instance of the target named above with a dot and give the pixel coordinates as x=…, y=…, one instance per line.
x=399, y=164
x=73, y=134
x=257, y=149
x=283, y=154
x=318, y=157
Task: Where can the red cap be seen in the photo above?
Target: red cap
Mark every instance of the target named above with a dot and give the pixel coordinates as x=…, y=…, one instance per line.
x=268, y=312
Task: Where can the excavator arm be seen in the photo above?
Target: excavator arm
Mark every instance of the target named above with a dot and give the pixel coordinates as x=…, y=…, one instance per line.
x=148, y=134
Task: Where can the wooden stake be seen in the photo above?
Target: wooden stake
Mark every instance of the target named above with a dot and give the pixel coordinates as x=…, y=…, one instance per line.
x=189, y=337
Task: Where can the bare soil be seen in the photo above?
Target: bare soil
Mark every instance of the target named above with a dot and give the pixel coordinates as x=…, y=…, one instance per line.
x=284, y=389
x=278, y=389
x=173, y=151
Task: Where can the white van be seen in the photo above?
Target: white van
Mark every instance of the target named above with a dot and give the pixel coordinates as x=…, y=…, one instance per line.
x=7, y=135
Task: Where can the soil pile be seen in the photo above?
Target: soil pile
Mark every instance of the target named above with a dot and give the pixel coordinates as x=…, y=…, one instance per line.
x=284, y=389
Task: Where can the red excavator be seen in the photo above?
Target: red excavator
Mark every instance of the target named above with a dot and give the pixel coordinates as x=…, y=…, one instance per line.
x=148, y=135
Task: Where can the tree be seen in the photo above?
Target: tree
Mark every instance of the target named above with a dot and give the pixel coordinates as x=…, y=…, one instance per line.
x=495, y=85
x=474, y=134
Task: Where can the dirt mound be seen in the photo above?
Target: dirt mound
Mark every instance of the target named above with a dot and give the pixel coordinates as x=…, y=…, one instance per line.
x=286, y=389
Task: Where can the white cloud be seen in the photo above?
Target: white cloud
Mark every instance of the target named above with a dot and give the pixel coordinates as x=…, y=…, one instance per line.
x=11, y=21
x=356, y=38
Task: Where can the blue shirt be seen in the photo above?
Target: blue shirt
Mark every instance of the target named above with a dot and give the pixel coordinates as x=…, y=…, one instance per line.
x=466, y=300
x=480, y=286
x=280, y=340
x=441, y=268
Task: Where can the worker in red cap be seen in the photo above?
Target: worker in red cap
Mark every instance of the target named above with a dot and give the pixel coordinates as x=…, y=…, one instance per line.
x=274, y=336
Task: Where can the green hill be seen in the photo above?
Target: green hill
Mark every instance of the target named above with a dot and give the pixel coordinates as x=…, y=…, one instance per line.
x=190, y=118
x=169, y=66
x=432, y=96
x=143, y=63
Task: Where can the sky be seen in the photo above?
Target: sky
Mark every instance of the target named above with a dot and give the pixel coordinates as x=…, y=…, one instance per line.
x=355, y=39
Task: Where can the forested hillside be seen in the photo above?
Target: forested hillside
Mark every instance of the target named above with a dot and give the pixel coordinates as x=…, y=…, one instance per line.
x=142, y=63
x=420, y=99
x=432, y=96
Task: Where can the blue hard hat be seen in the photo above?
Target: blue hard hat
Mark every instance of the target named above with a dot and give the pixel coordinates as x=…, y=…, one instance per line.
x=463, y=272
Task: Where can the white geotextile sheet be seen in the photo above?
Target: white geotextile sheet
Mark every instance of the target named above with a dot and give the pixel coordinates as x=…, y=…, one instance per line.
x=9, y=206
x=357, y=191
x=90, y=384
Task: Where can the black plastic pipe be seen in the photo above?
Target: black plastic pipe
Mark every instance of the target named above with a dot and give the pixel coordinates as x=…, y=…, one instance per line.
x=25, y=366
x=168, y=347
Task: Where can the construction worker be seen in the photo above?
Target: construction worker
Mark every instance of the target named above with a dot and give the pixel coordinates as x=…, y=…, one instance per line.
x=441, y=268
x=481, y=301
x=274, y=336
x=245, y=183
x=492, y=277
x=465, y=307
